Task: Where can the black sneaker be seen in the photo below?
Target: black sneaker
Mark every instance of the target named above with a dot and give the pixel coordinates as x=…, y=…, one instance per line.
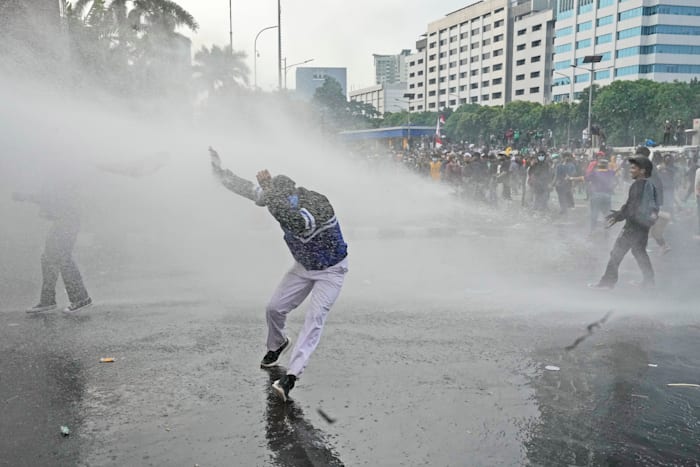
x=283, y=385
x=41, y=307
x=73, y=307
x=272, y=356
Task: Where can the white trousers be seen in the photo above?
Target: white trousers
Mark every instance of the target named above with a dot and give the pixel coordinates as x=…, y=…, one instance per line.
x=324, y=287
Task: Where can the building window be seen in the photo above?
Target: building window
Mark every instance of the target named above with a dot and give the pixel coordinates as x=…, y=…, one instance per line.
x=486, y=69
x=535, y=74
x=605, y=74
x=432, y=81
x=603, y=39
x=474, y=100
x=474, y=86
x=582, y=44
x=519, y=92
x=453, y=89
x=520, y=62
x=475, y=31
x=411, y=86
x=522, y=32
x=411, y=75
x=496, y=95
x=562, y=65
x=604, y=3
x=475, y=58
x=485, y=97
x=475, y=72
x=486, y=42
x=431, y=69
x=484, y=84
x=432, y=57
x=498, y=53
x=442, y=54
x=521, y=47
x=486, y=56
x=420, y=73
x=420, y=84
x=536, y=43
x=420, y=61
x=453, y=77
x=453, y=39
x=535, y=59
x=453, y=52
x=537, y=27
x=563, y=48
x=604, y=21
x=433, y=44
x=585, y=26
x=534, y=90
x=463, y=74
x=453, y=64
x=498, y=24
x=431, y=105
x=562, y=32
x=486, y=28
x=498, y=38
x=431, y=94
x=497, y=81
x=442, y=41
x=464, y=35
x=519, y=77
x=442, y=79
x=475, y=45
x=463, y=88
x=412, y=64
x=463, y=61
x=464, y=48
x=583, y=78
x=443, y=92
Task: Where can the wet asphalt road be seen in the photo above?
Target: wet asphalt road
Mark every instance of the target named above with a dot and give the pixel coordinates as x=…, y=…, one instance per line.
x=436, y=359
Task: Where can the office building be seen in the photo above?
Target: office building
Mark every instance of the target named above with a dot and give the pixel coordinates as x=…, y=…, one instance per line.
x=637, y=39
x=390, y=69
x=384, y=97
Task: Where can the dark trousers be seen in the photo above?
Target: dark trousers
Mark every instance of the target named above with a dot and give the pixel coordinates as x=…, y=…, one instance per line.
x=58, y=259
x=541, y=199
x=635, y=239
x=565, y=196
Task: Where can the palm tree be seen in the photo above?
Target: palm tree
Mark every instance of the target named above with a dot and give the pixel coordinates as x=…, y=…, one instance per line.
x=219, y=68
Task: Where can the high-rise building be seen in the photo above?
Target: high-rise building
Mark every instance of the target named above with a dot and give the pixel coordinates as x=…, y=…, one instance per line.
x=466, y=58
x=390, y=69
x=531, y=48
x=636, y=39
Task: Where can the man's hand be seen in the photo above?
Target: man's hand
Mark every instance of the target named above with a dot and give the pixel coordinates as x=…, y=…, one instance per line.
x=215, y=159
x=264, y=179
x=611, y=219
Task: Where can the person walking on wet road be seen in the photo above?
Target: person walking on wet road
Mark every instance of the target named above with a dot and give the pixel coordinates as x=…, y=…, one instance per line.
x=639, y=213
x=60, y=205
x=313, y=235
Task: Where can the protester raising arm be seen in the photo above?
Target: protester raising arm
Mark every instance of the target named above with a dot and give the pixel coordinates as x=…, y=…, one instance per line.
x=233, y=182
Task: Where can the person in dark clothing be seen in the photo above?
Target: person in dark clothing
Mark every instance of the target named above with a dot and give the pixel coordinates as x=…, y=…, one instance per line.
x=639, y=213
x=540, y=177
x=314, y=238
x=562, y=184
x=59, y=205
x=668, y=128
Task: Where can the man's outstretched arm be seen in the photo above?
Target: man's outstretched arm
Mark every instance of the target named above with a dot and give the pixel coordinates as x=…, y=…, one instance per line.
x=233, y=182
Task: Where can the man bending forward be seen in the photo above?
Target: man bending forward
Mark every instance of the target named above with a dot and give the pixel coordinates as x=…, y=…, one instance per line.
x=316, y=242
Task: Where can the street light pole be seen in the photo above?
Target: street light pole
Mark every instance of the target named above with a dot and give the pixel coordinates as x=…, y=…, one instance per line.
x=286, y=68
x=279, y=44
x=255, y=55
x=592, y=59
x=230, y=26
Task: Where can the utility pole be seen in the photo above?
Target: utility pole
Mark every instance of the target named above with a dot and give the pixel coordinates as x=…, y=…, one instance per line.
x=279, y=44
x=230, y=26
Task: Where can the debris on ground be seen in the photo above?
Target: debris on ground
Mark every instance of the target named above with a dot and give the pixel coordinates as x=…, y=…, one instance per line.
x=65, y=431
x=107, y=360
x=552, y=368
x=326, y=417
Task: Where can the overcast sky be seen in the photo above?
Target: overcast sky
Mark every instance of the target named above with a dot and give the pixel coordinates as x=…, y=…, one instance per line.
x=342, y=33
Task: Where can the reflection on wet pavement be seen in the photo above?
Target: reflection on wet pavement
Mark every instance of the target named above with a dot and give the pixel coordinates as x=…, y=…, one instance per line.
x=609, y=406
x=293, y=440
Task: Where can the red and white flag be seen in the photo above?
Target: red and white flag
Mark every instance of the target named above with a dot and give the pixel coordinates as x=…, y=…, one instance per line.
x=438, y=133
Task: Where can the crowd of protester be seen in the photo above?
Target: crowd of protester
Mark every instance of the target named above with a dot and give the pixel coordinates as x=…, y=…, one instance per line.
x=547, y=180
